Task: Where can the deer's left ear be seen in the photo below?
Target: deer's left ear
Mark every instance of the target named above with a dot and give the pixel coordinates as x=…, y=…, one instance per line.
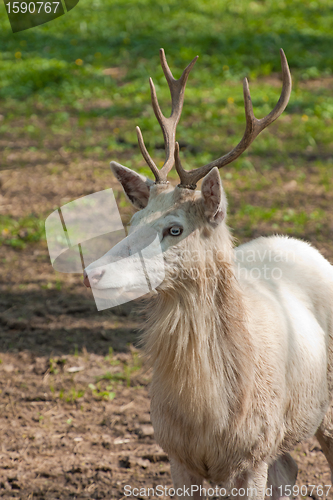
x=213, y=197
x=136, y=186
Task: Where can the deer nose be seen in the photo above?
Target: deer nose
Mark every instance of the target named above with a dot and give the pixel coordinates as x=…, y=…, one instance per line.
x=93, y=278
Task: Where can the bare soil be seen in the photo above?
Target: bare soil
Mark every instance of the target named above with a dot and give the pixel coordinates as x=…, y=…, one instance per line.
x=74, y=413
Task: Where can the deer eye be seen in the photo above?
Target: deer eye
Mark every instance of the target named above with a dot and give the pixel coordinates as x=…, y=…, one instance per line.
x=175, y=231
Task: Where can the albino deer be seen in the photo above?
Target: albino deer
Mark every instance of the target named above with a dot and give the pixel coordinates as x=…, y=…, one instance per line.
x=242, y=361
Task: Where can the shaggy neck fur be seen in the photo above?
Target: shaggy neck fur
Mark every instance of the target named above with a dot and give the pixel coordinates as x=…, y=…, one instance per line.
x=197, y=332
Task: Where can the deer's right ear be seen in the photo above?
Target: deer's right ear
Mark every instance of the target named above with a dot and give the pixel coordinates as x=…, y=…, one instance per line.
x=213, y=197
x=136, y=186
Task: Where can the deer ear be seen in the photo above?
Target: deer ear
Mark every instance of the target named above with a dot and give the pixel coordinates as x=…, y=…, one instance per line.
x=136, y=186
x=213, y=197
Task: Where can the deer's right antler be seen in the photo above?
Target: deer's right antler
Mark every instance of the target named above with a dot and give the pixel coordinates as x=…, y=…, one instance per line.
x=168, y=125
x=253, y=128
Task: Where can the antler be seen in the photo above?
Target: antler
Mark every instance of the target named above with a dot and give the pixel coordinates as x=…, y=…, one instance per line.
x=168, y=125
x=253, y=128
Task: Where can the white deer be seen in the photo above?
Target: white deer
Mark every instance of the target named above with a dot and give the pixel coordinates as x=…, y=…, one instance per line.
x=240, y=340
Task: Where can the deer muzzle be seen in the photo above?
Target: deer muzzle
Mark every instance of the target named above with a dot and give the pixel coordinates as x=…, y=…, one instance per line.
x=93, y=279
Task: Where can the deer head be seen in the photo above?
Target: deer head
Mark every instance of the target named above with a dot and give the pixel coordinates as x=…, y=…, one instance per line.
x=188, y=224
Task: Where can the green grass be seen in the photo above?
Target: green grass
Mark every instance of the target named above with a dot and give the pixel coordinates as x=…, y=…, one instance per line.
x=233, y=39
x=294, y=222
x=101, y=393
x=65, y=387
x=126, y=373
x=80, y=84
x=19, y=232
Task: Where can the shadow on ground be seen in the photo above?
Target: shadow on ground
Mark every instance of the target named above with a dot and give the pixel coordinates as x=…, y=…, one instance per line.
x=53, y=323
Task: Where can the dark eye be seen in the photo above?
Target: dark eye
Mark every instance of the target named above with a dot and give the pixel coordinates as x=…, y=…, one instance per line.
x=175, y=231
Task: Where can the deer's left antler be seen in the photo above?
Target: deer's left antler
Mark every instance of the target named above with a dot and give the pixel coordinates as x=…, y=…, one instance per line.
x=168, y=125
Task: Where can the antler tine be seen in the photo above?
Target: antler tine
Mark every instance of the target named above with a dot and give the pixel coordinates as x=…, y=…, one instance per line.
x=168, y=125
x=253, y=128
x=147, y=156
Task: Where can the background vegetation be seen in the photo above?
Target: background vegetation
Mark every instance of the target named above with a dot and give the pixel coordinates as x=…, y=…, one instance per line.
x=72, y=91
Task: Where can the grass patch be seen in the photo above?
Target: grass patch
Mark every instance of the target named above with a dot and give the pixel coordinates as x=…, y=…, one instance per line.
x=99, y=393
x=126, y=372
x=18, y=232
x=67, y=388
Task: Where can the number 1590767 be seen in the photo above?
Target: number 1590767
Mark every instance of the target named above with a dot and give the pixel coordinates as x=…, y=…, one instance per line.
x=304, y=490
x=32, y=7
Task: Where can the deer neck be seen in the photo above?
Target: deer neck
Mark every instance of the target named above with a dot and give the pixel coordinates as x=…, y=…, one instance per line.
x=197, y=340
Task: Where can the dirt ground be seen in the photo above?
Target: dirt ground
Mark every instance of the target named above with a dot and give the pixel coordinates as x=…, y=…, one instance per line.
x=74, y=395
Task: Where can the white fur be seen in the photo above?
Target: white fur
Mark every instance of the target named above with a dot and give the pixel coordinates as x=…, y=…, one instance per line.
x=240, y=342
